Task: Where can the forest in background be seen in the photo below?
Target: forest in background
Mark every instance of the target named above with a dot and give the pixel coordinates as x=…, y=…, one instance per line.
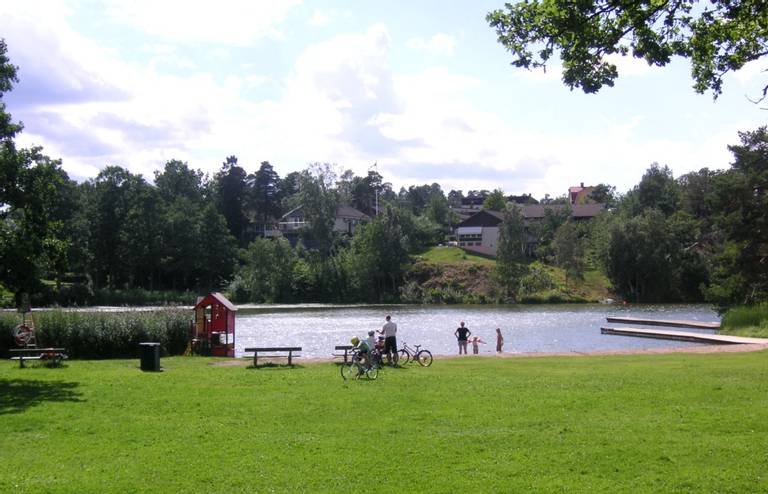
x=699, y=237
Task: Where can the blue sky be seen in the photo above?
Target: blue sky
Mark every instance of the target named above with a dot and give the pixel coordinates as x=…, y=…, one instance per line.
x=420, y=88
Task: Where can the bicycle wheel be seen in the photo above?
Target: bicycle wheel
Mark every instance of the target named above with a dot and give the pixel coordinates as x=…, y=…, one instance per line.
x=349, y=371
x=372, y=372
x=403, y=357
x=376, y=359
x=424, y=357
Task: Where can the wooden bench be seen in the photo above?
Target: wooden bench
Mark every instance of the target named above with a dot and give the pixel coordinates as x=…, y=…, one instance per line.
x=256, y=351
x=347, y=350
x=54, y=355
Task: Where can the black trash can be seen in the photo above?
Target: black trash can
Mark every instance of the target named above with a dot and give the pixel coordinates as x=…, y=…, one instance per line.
x=150, y=356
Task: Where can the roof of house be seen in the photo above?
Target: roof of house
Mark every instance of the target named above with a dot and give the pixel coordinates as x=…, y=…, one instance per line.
x=215, y=296
x=292, y=212
x=341, y=212
x=483, y=217
x=531, y=211
x=350, y=212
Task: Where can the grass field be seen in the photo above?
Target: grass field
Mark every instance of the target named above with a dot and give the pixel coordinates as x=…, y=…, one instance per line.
x=643, y=423
x=453, y=255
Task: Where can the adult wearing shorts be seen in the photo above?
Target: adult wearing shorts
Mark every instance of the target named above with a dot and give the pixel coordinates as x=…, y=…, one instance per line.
x=462, y=334
x=389, y=330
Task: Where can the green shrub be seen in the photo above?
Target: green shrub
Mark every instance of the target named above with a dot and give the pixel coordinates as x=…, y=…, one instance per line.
x=8, y=321
x=750, y=320
x=99, y=335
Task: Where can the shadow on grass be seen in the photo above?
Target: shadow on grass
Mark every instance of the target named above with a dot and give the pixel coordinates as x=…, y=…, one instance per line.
x=17, y=395
x=274, y=366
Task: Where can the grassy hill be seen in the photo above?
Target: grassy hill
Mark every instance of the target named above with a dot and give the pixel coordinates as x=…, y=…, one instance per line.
x=451, y=275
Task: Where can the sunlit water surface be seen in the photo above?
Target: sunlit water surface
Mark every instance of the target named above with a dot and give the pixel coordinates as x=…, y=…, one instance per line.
x=530, y=328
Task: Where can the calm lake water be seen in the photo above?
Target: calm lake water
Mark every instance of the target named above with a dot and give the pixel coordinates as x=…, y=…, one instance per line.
x=530, y=328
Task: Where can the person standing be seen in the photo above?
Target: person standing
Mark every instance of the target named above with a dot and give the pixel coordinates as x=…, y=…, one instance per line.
x=462, y=334
x=476, y=340
x=499, y=340
x=389, y=330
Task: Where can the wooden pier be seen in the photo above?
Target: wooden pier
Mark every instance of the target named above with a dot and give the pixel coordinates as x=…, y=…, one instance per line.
x=667, y=323
x=718, y=339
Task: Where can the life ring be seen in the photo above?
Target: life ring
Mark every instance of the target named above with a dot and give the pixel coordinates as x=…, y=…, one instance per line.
x=22, y=334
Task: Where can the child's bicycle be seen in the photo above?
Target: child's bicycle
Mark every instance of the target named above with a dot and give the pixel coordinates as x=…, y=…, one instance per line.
x=356, y=368
x=407, y=354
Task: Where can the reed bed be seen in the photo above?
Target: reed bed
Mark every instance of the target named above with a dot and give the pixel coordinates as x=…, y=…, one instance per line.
x=100, y=335
x=751, y=320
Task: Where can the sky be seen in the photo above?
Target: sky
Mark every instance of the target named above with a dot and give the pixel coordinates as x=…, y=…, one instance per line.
x=420, y=89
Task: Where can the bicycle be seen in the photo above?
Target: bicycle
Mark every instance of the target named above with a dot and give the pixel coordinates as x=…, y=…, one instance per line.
x=355, y=368
x=406, y=354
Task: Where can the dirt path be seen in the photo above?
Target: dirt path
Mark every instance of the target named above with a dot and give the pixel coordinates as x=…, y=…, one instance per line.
x=751, y=347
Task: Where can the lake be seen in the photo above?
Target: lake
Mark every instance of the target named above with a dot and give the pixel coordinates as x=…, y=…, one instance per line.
x=526, y=328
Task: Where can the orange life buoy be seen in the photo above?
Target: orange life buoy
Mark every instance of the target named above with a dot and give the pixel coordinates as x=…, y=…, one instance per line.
x=22, y=334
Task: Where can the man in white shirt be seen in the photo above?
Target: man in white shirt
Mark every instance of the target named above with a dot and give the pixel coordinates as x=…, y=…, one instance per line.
x=389, y=330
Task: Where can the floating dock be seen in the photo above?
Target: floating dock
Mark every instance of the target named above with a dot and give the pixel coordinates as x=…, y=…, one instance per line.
x=661, y=334
x=662, y=322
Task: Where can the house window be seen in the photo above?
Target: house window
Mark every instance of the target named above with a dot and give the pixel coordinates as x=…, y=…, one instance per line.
x=470, y=237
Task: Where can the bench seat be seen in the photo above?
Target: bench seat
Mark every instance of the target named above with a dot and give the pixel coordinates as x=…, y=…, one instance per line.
x=54, y=355
x=257, y=350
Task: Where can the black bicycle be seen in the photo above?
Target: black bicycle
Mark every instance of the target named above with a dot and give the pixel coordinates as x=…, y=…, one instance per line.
x=408, y=354
x=355, y=368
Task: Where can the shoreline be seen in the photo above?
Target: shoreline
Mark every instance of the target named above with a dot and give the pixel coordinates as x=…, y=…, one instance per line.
x=737, y=348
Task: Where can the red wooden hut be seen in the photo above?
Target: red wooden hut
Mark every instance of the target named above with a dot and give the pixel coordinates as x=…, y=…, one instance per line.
x=215, y=325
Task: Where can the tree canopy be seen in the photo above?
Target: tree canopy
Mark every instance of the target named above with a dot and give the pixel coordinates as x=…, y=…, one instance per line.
x=718, y=36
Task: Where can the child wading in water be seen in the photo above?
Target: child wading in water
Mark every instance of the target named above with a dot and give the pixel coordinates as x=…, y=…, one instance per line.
x=499, y=340
x=475, y=341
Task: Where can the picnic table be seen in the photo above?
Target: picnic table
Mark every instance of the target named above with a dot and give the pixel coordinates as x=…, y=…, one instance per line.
x=346, y=348
x=54, y=355
x=273, y=349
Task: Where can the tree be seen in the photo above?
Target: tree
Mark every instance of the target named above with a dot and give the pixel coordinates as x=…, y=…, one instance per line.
x=568, y=247
x=139, y=238
x=265, y=198
x=544, y=230
x=604, y=194
x=377, y=256
x=454, y=198
x=32, y=239
x=511, y=250
x=216, y=255
x=718, y=36
x=266, y=274
x=642, y=258
x=496, y=201
x=658, y=190
x=318, y=204
x=178, y=180
x=10, y=163
x=740, y=269
x=366, y=191
x=438, y=210
x=231, y=192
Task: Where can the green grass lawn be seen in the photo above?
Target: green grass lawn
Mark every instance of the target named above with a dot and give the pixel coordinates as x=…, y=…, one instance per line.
x=645, y=423
x=453, y=255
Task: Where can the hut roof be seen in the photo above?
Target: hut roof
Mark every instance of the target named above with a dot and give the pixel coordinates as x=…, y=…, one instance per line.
x=217, y=297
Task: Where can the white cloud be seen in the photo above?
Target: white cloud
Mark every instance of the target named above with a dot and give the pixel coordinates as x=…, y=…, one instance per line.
x=629, y=65
x=342, y=102
x=229, y=22
x=439, y=44
x=319, y=18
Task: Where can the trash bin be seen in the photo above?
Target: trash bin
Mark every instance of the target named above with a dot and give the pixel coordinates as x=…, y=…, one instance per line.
x=150, y=356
